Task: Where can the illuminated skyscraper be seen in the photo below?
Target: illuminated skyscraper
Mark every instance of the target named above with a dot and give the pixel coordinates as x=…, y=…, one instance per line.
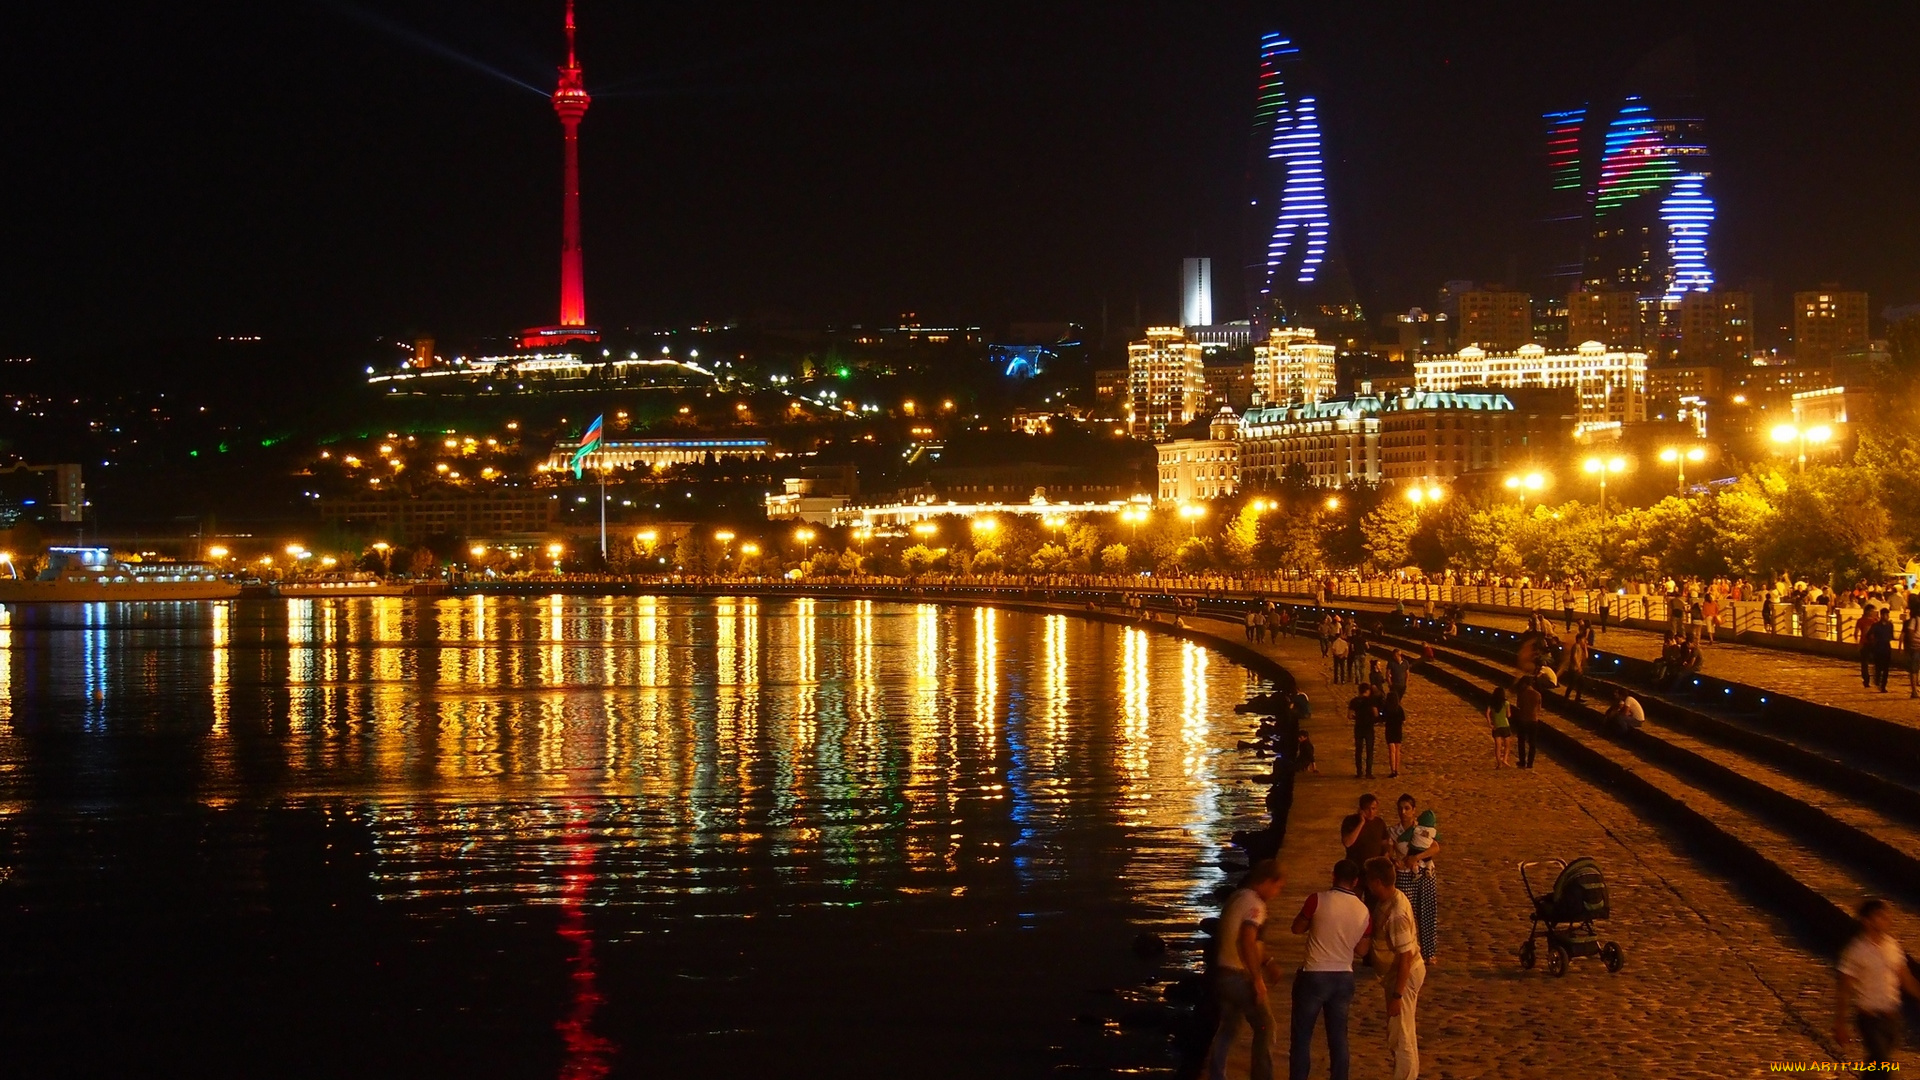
x=1631, y=214
x=1295, y=271
x=1196, y=292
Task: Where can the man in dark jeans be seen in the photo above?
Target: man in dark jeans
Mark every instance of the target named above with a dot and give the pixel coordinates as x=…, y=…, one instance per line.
x=1362, y=710
x=1879, y=649
x=1526, y=717
x=1337, y=924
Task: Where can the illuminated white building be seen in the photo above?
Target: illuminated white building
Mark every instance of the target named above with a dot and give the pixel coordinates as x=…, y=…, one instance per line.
x=1609, y=385
x=1166, y=383
x=658, y=453
x=1206, y=468
x=1293, y=366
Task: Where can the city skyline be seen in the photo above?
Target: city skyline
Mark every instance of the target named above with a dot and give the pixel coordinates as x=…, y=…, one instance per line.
x=442, y=242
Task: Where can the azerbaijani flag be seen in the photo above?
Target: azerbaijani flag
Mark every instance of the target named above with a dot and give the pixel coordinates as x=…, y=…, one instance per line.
x=589, y=442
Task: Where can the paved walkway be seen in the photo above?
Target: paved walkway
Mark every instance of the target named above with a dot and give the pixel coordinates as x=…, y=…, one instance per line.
x=1712, y=987
x=1820, y=679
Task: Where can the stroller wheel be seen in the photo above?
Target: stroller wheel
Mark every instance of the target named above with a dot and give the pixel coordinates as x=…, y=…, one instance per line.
x=1557, y=959
x=1527, y=956
x=1611, y=955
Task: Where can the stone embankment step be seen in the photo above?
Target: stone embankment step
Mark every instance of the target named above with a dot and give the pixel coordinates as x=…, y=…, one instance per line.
x=1787, y=857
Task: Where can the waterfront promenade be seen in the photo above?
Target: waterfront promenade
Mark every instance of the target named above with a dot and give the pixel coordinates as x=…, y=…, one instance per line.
x=1714, y=984
x=1717, y=982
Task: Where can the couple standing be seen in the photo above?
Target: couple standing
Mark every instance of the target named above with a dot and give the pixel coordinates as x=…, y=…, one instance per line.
x=1340, y=928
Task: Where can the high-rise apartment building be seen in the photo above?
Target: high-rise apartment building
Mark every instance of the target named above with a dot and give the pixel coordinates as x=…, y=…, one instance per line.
x=1609, y=385
x=1196, y=292
x=1715, y=328
x=1827, y=321
x=1610, y=317
x=1293, y=366
x=1495, y=319
x=1166, y=383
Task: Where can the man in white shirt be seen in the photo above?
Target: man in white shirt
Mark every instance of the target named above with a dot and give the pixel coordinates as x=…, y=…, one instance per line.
x=1626, y=714
x=1241, y=976
x=1873, y=971
x=1336, y=923
x=1396, y=956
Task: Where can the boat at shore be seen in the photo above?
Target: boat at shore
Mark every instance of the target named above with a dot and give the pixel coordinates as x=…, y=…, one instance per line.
x=92, y=575
x=336, y=586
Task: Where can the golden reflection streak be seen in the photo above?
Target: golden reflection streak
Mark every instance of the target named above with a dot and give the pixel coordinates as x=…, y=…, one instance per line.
x=986, y=672
x=806, y=724
x=863, y=703
x=388, y=657
x=646, y=630
x=1193, y=707
x=449, y=620
x=6, y=665
x=1136, y=738
x=556, y=631
x=221, y=689
x=1048, y=748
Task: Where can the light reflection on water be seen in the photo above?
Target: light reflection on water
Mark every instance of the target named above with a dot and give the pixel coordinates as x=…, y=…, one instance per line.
x=645, y=764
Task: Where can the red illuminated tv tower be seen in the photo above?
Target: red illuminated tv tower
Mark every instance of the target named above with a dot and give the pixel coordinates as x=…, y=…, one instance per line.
x=570, y=102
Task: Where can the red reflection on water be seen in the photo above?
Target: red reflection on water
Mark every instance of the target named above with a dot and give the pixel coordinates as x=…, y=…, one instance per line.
x=589, y=1056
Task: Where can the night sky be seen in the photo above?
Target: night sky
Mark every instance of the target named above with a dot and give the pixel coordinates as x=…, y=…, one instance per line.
x=324, y=166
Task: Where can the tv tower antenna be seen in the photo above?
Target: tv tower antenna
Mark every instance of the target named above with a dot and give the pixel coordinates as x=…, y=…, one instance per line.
x=570, y=101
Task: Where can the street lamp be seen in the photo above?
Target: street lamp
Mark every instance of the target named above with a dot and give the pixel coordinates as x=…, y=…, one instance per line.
x=216, y=551
x=1432, y=493
x=925, y=530
x=805, y=536
x=1522, y=483
x=1134, y=515
x=1678, y=456
x=1193, y=512
x=1333, y=502
x=1600, y=467
x=1792, y=433
x=985, y=525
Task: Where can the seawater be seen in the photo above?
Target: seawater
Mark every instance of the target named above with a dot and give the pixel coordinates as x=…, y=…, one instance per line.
x=585, y=837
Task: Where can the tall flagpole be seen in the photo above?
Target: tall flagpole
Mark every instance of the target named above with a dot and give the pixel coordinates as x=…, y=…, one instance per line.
x=603, y=515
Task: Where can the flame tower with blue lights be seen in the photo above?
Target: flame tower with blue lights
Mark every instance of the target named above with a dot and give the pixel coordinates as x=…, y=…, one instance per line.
x=1295, y=271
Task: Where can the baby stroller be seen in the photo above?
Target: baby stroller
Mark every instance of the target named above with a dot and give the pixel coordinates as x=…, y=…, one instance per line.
x=1565, y=916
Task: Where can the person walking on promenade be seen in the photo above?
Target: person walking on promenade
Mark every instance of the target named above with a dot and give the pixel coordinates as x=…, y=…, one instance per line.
x=1364, y=834
x=1499, y=715
x=1710, y=615
x=1337, y=925
x=1910, y=646
x=1398, y=665
x=1326, y=634
x=1573, y=663
x=1416, y=840
x=1879, y=648
x=1873, y=972
x=1253, y=625
x=1526, y=718
x=1243, y=972
x=1342, y=658
x=1397, y=960
x=1862, y=636
x=1567, y=604
x=1363, y=710
x=1377, y=678
x=1393, y=717
x=1767, y=613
